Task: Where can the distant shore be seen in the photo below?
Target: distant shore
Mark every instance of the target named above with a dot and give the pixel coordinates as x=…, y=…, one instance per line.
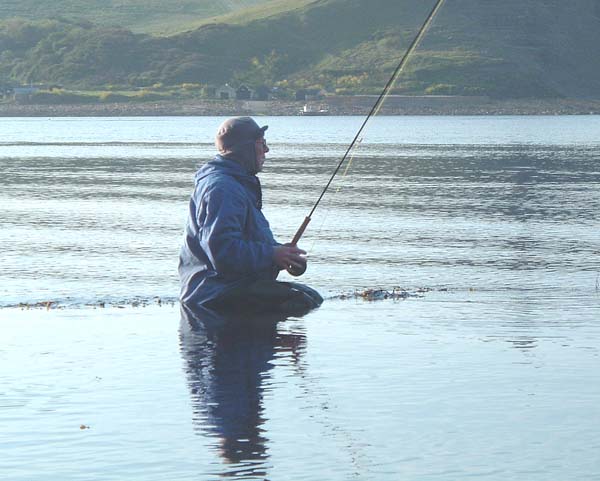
x=356, y=105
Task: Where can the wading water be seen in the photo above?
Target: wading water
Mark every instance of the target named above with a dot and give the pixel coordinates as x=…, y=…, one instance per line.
x=487, y=368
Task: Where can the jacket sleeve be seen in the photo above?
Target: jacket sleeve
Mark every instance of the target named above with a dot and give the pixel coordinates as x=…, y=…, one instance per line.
x=221, y=217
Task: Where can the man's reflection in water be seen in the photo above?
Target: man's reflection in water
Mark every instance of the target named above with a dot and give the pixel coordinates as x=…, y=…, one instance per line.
x=227, y=359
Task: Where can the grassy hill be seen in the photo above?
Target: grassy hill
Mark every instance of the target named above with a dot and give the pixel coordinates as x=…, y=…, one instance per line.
x=261, y=11
x=142, y=16
x=513, y=48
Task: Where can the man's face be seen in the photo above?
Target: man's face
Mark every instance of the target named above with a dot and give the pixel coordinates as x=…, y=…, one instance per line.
x=261, y=149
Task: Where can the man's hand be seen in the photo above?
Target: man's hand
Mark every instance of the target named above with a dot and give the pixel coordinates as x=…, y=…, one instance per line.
x=287, y=255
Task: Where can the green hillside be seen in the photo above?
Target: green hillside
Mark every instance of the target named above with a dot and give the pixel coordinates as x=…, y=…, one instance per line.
x=513, y=48
x=147, y=16
x=261, y=11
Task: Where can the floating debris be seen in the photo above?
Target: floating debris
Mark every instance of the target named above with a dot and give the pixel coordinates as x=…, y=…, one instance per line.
x=394, y=294
x=83, y=426
x=37, y=305
x=422, y=290
x=380, y=294
x=397, y=293
x=369, y=294
x=69, y=303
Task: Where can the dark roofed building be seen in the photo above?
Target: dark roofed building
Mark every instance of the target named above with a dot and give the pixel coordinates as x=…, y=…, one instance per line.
x=243, y=92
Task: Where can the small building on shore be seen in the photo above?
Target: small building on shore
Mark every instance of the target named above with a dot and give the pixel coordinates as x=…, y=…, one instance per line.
x=243, y=92
x=225, y=92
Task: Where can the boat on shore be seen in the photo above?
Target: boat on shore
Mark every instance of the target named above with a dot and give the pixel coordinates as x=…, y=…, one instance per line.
x=310, y=110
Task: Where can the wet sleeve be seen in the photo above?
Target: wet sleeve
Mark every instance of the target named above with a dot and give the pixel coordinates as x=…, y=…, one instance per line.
x=222, y=219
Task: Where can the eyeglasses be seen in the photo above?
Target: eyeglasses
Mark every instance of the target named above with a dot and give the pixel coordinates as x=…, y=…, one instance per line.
x=262, y=142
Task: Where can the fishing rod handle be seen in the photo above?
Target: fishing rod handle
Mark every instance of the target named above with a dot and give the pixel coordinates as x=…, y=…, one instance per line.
x=293, y=270
x=300, y=231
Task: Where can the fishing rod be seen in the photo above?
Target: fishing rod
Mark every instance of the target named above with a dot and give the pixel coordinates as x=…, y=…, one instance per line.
x=297, y=271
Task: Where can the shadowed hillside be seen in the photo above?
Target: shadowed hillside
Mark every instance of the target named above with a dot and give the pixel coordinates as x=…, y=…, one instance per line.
x=514, y=48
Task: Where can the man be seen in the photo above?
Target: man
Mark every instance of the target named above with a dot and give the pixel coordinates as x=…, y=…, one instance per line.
x=229, y=257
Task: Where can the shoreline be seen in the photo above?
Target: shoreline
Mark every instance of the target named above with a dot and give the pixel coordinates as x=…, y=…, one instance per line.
x=336, y=106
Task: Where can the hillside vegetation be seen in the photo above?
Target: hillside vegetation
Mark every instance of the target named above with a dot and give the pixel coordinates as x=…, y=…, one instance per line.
x=141, y=16
x=513, y=48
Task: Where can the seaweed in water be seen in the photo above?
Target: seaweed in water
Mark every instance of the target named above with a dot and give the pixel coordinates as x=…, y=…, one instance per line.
x=100, y=304
x=37, y=305
x=397, y=293
x=369, y=294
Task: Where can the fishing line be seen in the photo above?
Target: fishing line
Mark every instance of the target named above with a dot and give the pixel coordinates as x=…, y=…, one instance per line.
x=374, y=111
x=339, y=187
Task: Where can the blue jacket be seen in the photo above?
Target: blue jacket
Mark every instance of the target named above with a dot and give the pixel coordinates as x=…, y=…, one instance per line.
x=228, y=241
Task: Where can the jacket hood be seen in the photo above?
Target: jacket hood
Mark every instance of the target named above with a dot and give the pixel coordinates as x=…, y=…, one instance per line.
x=224, y=165
x=244, y=154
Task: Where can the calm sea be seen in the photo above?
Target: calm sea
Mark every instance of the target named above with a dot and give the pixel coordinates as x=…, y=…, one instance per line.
x=489, y=369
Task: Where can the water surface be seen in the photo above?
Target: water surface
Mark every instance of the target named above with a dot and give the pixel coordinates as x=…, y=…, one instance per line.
x=491, y=372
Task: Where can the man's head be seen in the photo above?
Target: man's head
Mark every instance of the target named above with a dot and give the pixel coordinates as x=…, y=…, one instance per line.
x=241, y=139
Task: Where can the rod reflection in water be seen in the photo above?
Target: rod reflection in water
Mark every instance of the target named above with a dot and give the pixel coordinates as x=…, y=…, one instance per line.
x=227, y=361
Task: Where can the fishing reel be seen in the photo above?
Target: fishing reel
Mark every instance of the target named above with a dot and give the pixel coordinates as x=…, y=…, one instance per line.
x=296, y=271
